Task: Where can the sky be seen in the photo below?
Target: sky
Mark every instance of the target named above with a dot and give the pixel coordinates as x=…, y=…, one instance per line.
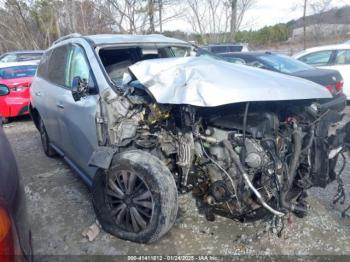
x=264, y=12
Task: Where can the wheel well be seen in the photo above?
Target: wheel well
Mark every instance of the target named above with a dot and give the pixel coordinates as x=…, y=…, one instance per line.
x=34, y=115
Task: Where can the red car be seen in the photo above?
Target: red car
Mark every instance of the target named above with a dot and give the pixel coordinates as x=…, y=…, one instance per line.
x=17, y=77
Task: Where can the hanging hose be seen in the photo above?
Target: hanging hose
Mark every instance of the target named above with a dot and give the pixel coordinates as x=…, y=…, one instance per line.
x=293, y=166
x=241, y=169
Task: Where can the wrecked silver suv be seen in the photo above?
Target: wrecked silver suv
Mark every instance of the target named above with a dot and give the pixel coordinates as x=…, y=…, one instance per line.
x=141, y=119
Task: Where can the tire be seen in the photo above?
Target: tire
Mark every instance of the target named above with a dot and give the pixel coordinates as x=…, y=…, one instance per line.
x=153, y=186
x=5, y=120
x=45, y=141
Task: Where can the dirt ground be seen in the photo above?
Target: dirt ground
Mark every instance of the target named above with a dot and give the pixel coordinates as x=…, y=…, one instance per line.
x=60, y=208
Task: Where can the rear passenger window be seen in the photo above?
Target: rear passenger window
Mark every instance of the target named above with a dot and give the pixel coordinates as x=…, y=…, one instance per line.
x=317, y=58
x=343, y=57
x=43, y=66
x=58, y=64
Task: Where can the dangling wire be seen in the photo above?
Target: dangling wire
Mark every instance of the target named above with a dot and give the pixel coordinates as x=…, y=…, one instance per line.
x=340, y=191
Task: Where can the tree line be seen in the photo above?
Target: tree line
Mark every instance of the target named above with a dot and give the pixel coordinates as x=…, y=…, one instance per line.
x=35, y=24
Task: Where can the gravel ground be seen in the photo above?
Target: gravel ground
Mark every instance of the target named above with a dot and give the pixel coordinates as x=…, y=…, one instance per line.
x=60, y=208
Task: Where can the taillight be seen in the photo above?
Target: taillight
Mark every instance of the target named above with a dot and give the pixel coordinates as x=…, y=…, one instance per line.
x=335, y=88
x=339, y=86
x=6, y=238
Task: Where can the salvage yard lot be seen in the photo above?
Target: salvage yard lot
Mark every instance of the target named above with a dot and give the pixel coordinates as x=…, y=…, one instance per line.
x=60, y=208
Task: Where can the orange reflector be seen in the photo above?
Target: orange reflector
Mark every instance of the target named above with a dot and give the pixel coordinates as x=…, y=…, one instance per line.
x=6, y=239
x=5, y=224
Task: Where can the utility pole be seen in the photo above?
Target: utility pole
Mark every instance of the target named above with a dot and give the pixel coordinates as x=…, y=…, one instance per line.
x=304, y=22
x=160, y=6
x=151, y=15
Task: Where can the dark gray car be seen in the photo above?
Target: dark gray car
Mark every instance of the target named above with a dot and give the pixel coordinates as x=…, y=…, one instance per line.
x=15, y=234
x=139, y=118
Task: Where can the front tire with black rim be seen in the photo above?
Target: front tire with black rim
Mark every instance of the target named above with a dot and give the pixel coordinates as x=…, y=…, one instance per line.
x=45, y=141
x=136, y=199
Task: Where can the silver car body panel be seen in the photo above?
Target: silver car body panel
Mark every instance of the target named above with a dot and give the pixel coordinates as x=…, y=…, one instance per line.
x=204, y=81
x=114, y=39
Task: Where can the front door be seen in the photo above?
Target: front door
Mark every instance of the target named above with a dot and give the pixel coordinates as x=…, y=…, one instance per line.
x=77, y=118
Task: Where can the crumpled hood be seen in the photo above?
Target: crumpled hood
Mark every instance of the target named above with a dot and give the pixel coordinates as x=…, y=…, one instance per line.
x=204, y=81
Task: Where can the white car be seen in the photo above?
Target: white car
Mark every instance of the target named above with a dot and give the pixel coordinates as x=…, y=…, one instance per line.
x=333, y=57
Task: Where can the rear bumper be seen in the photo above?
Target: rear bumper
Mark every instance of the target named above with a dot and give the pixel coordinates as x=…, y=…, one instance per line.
x=11, y=107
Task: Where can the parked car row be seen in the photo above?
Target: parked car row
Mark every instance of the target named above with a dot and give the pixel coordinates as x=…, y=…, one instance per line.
x=330, y=79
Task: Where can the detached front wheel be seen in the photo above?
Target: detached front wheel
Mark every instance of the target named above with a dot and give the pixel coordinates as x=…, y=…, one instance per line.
x=136, y=199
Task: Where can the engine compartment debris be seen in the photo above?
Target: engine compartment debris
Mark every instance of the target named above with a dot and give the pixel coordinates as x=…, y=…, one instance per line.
x=242, y=160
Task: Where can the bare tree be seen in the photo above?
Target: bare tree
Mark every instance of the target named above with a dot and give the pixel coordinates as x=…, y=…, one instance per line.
x=311, y=7
x=217, y=20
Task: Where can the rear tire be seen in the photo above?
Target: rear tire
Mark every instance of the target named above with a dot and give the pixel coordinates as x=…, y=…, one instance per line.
x=45, y=141
x=5, y=120
x=136, y=199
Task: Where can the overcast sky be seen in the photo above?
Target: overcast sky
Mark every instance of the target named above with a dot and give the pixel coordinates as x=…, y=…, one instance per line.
x=264, y=12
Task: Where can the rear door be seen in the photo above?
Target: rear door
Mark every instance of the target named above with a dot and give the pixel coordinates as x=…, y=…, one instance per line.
x=77, y=118
x=48, y=86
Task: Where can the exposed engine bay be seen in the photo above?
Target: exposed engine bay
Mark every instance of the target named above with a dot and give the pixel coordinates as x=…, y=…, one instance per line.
x=243, y=161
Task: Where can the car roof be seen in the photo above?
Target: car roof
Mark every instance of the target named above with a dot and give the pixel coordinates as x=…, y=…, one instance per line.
x=226, y=44
x=105, y=39
x=25, y=52
x=323, y=48
x=247, y=53
x=11, y=64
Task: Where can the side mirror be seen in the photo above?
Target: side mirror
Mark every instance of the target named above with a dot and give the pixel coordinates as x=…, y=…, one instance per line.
x=4, y=90
x=80, y=88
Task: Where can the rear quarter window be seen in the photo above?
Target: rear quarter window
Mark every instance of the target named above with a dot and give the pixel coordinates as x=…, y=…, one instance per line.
x=43, y=66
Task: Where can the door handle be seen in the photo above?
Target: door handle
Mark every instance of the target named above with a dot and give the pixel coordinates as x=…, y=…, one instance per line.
x=60, y=105
x=38, y=93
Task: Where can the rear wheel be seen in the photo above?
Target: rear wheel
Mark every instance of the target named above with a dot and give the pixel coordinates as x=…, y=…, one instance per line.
x=136, y=199
x=5, y=120
x=45, y=141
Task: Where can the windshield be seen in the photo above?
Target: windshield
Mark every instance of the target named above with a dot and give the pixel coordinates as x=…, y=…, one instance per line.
x=17, y=71
x=284, y=64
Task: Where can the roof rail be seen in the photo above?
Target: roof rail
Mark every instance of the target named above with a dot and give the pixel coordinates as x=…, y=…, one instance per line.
x=66, y=37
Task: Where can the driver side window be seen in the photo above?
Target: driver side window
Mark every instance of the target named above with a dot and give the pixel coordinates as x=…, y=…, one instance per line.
x=78, y=66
